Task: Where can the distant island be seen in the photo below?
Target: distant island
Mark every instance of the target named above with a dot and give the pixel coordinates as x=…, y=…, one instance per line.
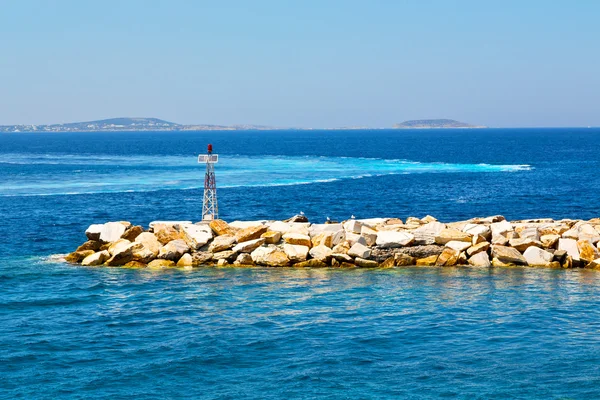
x=126, y=124
x=434, y=124
x=155, y=124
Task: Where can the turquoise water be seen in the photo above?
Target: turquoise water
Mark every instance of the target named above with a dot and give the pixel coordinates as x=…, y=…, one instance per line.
x=74, y=333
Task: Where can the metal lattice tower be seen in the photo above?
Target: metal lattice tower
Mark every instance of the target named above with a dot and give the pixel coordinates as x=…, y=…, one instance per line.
x=210, y=208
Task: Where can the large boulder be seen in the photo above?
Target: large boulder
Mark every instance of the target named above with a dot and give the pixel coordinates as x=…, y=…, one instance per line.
x=364, y=263
x=296, y=253
x=508, y=255
x=250, y=233
x=425, y=234
x=393, y=239
x=173, y=250
x=108, y=232
x=149, y=241
x=449, y=257
x=246, y=224
x=201, y=258
x=359, y=250
x=478, y=248
x=121, y=252
x=132, y=233
x=587, y=251
x=528, y=232
x=96, y=258
x=297, y=238
x=501, y=228
x=523, y=244
x=316, y=229
x=78, y=256
x=570, y=246
x=222, y=243
x=352, y=226
x=478, y=229
x=270, y=256
x=287, y=227
x=243, y=259
x=480, y=259
x=352, y=238
x=587, y=232
x=166, y=233
x=220, y=227
x=323, y=238
x=449, y=235
x=538, y=257
x=93, y=231
x=549, y=241
x=458, y=246
x=143, y=254
x=227, y=255
x=248, y=246
x=186, y=260
x=321, y=252
x=90, y=245
x=196, y=235
x=271, y=237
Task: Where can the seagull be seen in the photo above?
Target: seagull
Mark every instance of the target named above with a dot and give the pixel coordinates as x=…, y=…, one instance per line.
x=328, y=219
x=301, y=212
x=352, y=216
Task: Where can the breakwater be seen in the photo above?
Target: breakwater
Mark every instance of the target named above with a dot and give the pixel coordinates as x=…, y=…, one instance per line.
x=362, y=243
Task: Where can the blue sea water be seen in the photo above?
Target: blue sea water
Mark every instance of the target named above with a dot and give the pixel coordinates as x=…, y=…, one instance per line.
x=73, y=332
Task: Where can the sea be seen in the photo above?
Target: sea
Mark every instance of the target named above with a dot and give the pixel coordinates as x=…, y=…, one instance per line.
x=70, y=332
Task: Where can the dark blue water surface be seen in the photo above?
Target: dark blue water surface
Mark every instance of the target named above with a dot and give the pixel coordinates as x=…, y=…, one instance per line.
x=73, y=332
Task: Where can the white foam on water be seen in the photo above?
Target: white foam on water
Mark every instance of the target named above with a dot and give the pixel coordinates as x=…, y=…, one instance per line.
x=118, y=174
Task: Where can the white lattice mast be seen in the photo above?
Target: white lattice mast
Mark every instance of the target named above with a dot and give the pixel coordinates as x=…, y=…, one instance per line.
x=210, y=208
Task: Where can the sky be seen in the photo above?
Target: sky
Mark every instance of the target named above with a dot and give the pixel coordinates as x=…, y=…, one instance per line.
x=310, y=63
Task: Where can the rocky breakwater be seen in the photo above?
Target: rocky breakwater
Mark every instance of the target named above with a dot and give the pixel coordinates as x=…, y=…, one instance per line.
x=365, y=243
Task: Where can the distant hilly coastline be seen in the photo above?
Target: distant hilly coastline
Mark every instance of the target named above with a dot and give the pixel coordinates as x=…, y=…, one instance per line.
x=155, y=124
x=435, y=124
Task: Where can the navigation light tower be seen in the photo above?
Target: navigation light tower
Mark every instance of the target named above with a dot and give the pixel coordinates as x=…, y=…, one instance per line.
x=210, y=208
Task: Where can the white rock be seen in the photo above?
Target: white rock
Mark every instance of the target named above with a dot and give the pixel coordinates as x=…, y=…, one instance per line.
x=261, y=254
x=296, y=252
x=477, y=229
x=316, y=229
x=480, y=260
x=359, y=250
x=93, y=231
x=149, y=241
x=248, y=246
x=352, y=226
x=587, y=232
x=197, y=235
x=321, y=253
x=173, y=250
x=571, y=234
x=500, y=228
x=537, y=257
x=369, y=234
x=391, y=239
x=98, y=258
x=353, y=238
x=111, y=232
x=338, y=237
x=570, y=246
x=169, y=223
x=530, y=232
x=458, y=246
x=246, y=224
x=426, y=234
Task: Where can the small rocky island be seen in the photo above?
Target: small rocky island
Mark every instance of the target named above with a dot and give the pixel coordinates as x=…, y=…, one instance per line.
x=355, y=243
x=435, y=124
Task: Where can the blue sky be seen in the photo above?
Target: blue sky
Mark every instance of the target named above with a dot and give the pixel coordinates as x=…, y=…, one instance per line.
x=301, y=63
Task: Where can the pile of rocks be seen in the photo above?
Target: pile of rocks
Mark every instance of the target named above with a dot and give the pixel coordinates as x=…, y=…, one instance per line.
x=367, y=243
